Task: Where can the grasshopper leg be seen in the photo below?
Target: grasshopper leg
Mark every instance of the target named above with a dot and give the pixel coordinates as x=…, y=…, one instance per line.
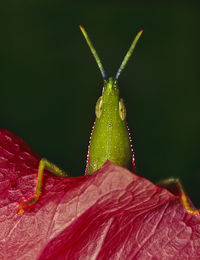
x=184, y=197
x=43, y=164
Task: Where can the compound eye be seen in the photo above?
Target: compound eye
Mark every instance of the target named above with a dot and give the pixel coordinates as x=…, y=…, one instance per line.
x=98, y=109
x=122, y=109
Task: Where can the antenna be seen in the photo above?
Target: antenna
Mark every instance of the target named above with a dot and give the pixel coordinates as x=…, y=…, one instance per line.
x=128, y=54
x=96, y=56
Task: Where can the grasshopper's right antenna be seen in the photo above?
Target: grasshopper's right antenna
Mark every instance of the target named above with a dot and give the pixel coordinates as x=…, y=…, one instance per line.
x=128, y=55
x=96, y=56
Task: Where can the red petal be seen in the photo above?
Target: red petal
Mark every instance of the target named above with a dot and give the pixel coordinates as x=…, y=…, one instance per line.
x=112, y=214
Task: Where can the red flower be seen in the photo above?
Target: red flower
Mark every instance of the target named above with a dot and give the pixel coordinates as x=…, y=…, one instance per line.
x=111, y=214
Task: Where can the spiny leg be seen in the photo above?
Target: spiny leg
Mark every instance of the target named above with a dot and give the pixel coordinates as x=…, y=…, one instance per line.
x=43, y=164
x=184, y=197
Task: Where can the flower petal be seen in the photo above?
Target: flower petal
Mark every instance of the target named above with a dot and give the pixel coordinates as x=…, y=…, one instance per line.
x=111, y=214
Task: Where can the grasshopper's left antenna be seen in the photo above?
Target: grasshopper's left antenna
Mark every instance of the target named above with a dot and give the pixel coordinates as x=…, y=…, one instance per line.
x=96, y=56
x=128, y=55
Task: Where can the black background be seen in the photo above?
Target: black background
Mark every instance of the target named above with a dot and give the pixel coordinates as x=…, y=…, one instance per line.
x=50, y=83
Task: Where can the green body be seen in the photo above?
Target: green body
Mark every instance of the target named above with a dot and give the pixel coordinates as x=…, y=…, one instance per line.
x=110, y=137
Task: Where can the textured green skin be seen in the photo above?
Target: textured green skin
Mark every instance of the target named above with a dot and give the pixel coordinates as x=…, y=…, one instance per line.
x=110, y=137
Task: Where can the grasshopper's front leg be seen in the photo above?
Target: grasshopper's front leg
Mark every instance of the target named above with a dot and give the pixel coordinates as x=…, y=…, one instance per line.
x=43, y=164
x=184, y=197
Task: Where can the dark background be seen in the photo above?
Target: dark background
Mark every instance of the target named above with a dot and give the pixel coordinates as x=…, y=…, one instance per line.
x=50, y=83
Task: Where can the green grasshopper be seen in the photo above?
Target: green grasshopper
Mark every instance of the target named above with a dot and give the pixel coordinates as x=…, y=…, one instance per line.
x=110, y=138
